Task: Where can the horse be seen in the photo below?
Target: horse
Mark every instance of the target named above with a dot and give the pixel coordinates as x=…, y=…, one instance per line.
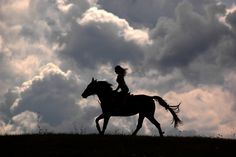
x=129, y=105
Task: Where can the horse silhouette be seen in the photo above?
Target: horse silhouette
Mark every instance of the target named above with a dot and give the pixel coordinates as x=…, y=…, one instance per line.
x=113, y=105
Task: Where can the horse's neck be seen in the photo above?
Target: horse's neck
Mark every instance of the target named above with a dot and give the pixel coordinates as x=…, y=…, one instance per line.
x=104, y=97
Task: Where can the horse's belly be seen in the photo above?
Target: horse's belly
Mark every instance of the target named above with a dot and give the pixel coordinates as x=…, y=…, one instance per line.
x=124, y=111
x=118, y=114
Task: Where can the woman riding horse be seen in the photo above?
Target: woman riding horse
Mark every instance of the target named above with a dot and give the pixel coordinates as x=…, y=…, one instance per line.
x=121, y=72
x=143, y=105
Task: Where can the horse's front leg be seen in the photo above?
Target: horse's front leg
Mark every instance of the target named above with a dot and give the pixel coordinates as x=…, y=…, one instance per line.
x=106, y=119
x=97, y=122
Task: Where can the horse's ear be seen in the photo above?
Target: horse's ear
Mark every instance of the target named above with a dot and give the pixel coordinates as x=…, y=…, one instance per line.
x=93, y=80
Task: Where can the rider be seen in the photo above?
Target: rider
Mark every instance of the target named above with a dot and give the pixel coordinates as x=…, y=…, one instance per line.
x=121, y=72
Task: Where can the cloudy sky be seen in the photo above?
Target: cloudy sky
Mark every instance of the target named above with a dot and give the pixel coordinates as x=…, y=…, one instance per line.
x=182, y=50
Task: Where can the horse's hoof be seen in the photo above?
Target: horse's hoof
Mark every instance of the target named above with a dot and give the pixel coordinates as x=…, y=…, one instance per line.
x=162, y=134
x=133, y=134
x=100, y=133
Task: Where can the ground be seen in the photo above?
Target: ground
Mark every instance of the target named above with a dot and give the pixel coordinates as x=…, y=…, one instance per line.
x=68, y=145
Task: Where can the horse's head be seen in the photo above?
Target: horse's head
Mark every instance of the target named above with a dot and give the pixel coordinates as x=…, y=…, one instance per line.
x=91, y=89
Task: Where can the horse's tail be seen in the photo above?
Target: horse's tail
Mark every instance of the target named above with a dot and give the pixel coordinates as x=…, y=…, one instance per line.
x=173, y=110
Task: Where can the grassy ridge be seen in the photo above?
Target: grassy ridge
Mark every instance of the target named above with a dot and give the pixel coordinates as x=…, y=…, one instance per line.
x=114, y=146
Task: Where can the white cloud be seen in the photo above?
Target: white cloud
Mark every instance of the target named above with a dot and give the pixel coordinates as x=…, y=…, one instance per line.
x=17, y=5
x=206, y=110
x=228, y=11
x=1, y=43
x=25, y=122
x=101, y=17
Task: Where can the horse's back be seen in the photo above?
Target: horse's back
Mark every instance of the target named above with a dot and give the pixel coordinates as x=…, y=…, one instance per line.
x=133, y=104
x=141, y=98
x=141, y=102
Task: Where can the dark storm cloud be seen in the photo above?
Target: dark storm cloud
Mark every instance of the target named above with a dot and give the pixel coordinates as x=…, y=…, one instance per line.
x=56, y=18
x=140, y=12
x=193, y=35
x=189, y=42
x=231, y=19
x=90, y=46
x=146, y=13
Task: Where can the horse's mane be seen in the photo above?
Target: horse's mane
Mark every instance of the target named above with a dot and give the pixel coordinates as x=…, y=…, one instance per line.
x=105, y=86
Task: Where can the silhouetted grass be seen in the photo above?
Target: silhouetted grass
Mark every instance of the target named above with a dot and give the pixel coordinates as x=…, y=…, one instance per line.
x=113, y=146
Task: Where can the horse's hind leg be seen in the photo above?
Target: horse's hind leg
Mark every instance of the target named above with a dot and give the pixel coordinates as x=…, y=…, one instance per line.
x=140, y=123
x=155, y=122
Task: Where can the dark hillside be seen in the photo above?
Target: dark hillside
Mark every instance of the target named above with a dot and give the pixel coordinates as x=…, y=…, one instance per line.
x=114, y=146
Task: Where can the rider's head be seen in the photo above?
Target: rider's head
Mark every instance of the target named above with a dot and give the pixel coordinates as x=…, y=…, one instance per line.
x=120, y=71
